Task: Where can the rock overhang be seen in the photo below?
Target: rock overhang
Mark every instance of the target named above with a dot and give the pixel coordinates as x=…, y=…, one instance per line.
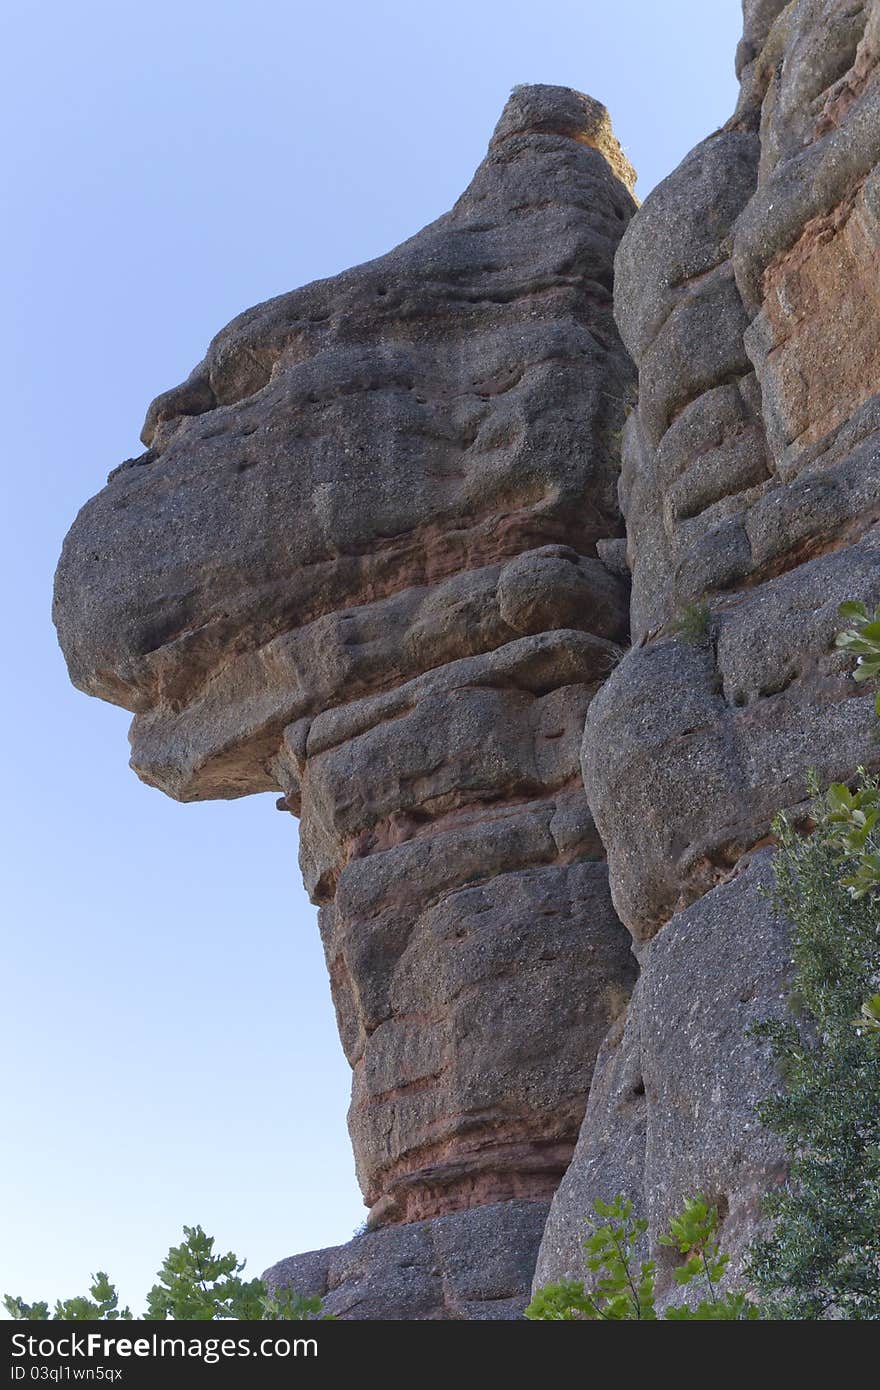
x=356, y=445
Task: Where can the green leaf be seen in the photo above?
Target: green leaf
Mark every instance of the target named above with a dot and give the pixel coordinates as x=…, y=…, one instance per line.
x=852, y=610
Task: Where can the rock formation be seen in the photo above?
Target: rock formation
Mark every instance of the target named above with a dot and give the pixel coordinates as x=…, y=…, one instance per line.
x=469, y=1265
x=746, y=290
x=373, y=558
x=358, y=564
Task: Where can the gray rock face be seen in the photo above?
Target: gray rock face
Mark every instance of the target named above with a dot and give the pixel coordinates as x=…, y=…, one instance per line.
x=746, y=292
x=610, y=1153
x=751, y=468
x=358, y=564
x=469, y=1266
x=672, y=1105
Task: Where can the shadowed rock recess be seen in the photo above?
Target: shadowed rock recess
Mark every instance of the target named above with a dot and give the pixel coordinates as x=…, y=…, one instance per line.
x=374, y=558
x=358, y=565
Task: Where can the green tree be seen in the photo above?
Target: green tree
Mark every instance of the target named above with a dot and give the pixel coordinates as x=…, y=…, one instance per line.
x=103, y=1306
x=822, y=1256
x=194, y=1284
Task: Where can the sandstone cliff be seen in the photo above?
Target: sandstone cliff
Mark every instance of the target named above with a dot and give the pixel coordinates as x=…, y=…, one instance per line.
x=374, y=558
x=358, y=563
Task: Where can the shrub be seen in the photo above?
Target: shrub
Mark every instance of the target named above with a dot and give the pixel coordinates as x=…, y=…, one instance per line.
x=624, y=1290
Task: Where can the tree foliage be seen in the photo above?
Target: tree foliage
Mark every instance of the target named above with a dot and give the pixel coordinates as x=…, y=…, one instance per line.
x=623, y=1287
x=862, y=640
x=102, y=1306
x=195, y=1284
x=822, y=1256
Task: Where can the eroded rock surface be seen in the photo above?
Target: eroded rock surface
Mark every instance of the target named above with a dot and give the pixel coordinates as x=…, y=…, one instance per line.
x=469, y=1266
x=373, y=558
x=751, y=468
x=672, y=1108
x=746, y=291
x=358, y=564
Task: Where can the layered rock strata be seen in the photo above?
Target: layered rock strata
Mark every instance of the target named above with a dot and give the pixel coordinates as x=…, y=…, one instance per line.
x=746, y=292
x=358, y=564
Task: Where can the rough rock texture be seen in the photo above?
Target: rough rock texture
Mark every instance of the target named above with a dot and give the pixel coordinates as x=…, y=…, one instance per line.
x=473, y=1266
x=746, y=291
x=373, y=558
x=751, y=468
x=358, y=564
x=672, y=1105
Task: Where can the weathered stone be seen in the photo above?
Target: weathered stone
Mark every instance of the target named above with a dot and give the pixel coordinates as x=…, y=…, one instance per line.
x=672, y=1109
x=691, y=748
x=610, y=1153
x=751, y=501
x=373, y=559
x=750, y=495
x=470, y=1266
x=694, y=448
x=442, y=409
x=469, y=1087
x=358, y=564
x=820, y=308
x=664, y=256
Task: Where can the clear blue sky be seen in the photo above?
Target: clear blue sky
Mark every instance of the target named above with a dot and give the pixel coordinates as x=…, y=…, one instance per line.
x=168, y=1043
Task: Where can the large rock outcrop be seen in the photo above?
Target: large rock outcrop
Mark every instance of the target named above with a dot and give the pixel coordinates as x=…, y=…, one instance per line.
x=747, y=293
x=358, y=564
x=373, y=558
x=468, y=1266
